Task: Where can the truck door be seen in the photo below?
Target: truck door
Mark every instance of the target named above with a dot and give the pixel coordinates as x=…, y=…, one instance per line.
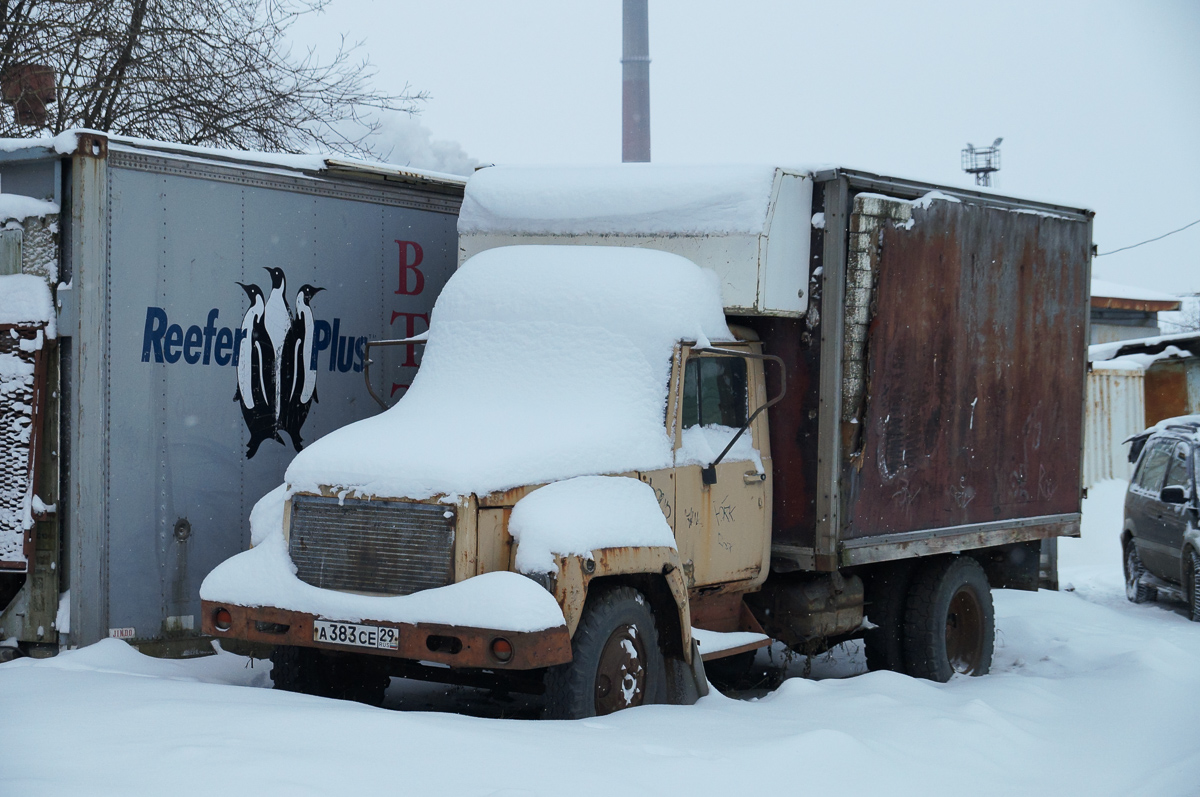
x=719, y=528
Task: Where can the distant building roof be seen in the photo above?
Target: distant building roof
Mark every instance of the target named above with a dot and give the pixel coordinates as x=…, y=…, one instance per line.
x=1181, y=343
x=1114, y=296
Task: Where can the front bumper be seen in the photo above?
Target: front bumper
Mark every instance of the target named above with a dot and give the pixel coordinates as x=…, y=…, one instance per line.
x=456, y=646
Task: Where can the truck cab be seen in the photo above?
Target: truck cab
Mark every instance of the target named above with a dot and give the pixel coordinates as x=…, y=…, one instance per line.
x=377, y=559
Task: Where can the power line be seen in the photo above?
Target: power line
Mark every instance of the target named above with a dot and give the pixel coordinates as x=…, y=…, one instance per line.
x=1152, y=240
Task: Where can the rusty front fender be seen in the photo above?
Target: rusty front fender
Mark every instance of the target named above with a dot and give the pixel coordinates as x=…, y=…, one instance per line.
x=576, y=574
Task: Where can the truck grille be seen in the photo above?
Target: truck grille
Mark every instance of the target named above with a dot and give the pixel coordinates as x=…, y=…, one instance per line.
x=385, y=547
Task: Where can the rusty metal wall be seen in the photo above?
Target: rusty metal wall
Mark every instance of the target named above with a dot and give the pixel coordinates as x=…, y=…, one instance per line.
x=1166, y=390
x=973, y=388
x=1115, y=410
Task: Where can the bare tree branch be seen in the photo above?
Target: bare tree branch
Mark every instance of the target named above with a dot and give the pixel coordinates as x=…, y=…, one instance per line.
x=208, y=72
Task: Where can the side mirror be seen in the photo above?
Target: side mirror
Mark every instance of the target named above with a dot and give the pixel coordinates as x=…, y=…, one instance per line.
x=1174, y=494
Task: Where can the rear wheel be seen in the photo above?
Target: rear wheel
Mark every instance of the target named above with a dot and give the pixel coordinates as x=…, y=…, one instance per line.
x=884, y=641
x=1191, y=586
x=616, y=661
x=731, y=672
x=949, y=622
x=1135, y=587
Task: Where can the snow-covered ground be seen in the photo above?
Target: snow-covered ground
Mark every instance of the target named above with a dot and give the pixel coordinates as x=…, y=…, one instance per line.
x=1089, y=695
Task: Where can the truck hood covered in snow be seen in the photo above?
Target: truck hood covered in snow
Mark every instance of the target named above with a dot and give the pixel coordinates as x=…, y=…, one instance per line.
x=542, y=363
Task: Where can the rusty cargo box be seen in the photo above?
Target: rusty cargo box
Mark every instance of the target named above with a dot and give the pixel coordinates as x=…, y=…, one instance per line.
x=935, y=401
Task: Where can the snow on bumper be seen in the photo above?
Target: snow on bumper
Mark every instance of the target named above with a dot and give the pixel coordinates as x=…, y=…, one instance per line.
x=456, y=624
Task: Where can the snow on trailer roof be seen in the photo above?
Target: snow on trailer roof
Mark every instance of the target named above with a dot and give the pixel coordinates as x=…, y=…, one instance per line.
x=65, y=144
x=543, y=363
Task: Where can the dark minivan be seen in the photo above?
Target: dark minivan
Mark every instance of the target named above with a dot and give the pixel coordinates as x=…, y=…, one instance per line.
x=1160, y=539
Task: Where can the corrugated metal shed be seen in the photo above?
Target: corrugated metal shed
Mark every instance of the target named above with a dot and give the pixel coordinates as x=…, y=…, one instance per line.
x=1115, y=410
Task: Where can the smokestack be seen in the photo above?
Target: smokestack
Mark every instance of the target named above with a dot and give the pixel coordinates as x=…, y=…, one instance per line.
x=635, y=83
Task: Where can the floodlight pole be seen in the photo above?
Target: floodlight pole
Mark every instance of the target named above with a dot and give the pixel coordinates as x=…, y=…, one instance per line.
x=635, y=82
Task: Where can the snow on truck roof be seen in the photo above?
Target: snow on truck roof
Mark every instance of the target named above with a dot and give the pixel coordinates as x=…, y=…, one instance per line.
x=542, y=363
x=630, y=198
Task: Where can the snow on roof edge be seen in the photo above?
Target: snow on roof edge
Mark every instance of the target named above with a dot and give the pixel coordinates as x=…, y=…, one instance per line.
x=1108, y=351
x=1105, y=289
x=65, y=143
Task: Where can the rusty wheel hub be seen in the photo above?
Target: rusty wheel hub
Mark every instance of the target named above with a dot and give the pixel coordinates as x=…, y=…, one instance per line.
x=964, y=631
x=621, y=674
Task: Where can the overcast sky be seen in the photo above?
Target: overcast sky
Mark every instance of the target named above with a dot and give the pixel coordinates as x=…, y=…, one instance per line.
x=1098, y=102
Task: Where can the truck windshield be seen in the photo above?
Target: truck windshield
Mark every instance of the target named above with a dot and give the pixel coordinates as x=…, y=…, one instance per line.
x=714, y=392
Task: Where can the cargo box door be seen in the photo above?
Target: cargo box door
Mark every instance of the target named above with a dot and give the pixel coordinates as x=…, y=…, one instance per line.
x=963, y=365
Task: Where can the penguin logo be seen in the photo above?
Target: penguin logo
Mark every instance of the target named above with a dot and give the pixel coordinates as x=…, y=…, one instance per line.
x=277, y=382
x=297, y=376
x=277, y=318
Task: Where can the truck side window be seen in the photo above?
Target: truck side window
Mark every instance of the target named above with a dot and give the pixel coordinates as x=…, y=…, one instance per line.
x=1150, y=475
x=1177, y=472
x=714, y=392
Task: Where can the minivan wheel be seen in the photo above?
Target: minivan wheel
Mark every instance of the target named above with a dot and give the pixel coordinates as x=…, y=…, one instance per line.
x=949, y=621
x=1135, y=587
x=1191, y=584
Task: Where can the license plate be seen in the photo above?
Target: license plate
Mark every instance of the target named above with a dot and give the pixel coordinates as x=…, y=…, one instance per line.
x=362, y=636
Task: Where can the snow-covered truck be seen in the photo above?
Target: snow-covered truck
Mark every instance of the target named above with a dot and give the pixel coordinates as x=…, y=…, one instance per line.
x=145, y=399
x=666, y=415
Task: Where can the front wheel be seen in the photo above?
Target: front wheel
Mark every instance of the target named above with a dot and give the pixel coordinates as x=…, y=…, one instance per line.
x=616, y=661
x=1136, y=588
x=949, y=621
x=338, y=675
x=1191, y=586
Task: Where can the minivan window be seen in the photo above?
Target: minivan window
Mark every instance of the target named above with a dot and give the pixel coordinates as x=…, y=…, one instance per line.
x=1177, y=471
x=1154, y=466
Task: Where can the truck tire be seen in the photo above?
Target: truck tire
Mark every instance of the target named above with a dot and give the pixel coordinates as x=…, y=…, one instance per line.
x=340, y=676
x=295, y=669
x=1191, y=586
x=731, y=672
x=884, y=643
x=949, y=621
x=1135, y=587
x=616, y=660
x=361, y=679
